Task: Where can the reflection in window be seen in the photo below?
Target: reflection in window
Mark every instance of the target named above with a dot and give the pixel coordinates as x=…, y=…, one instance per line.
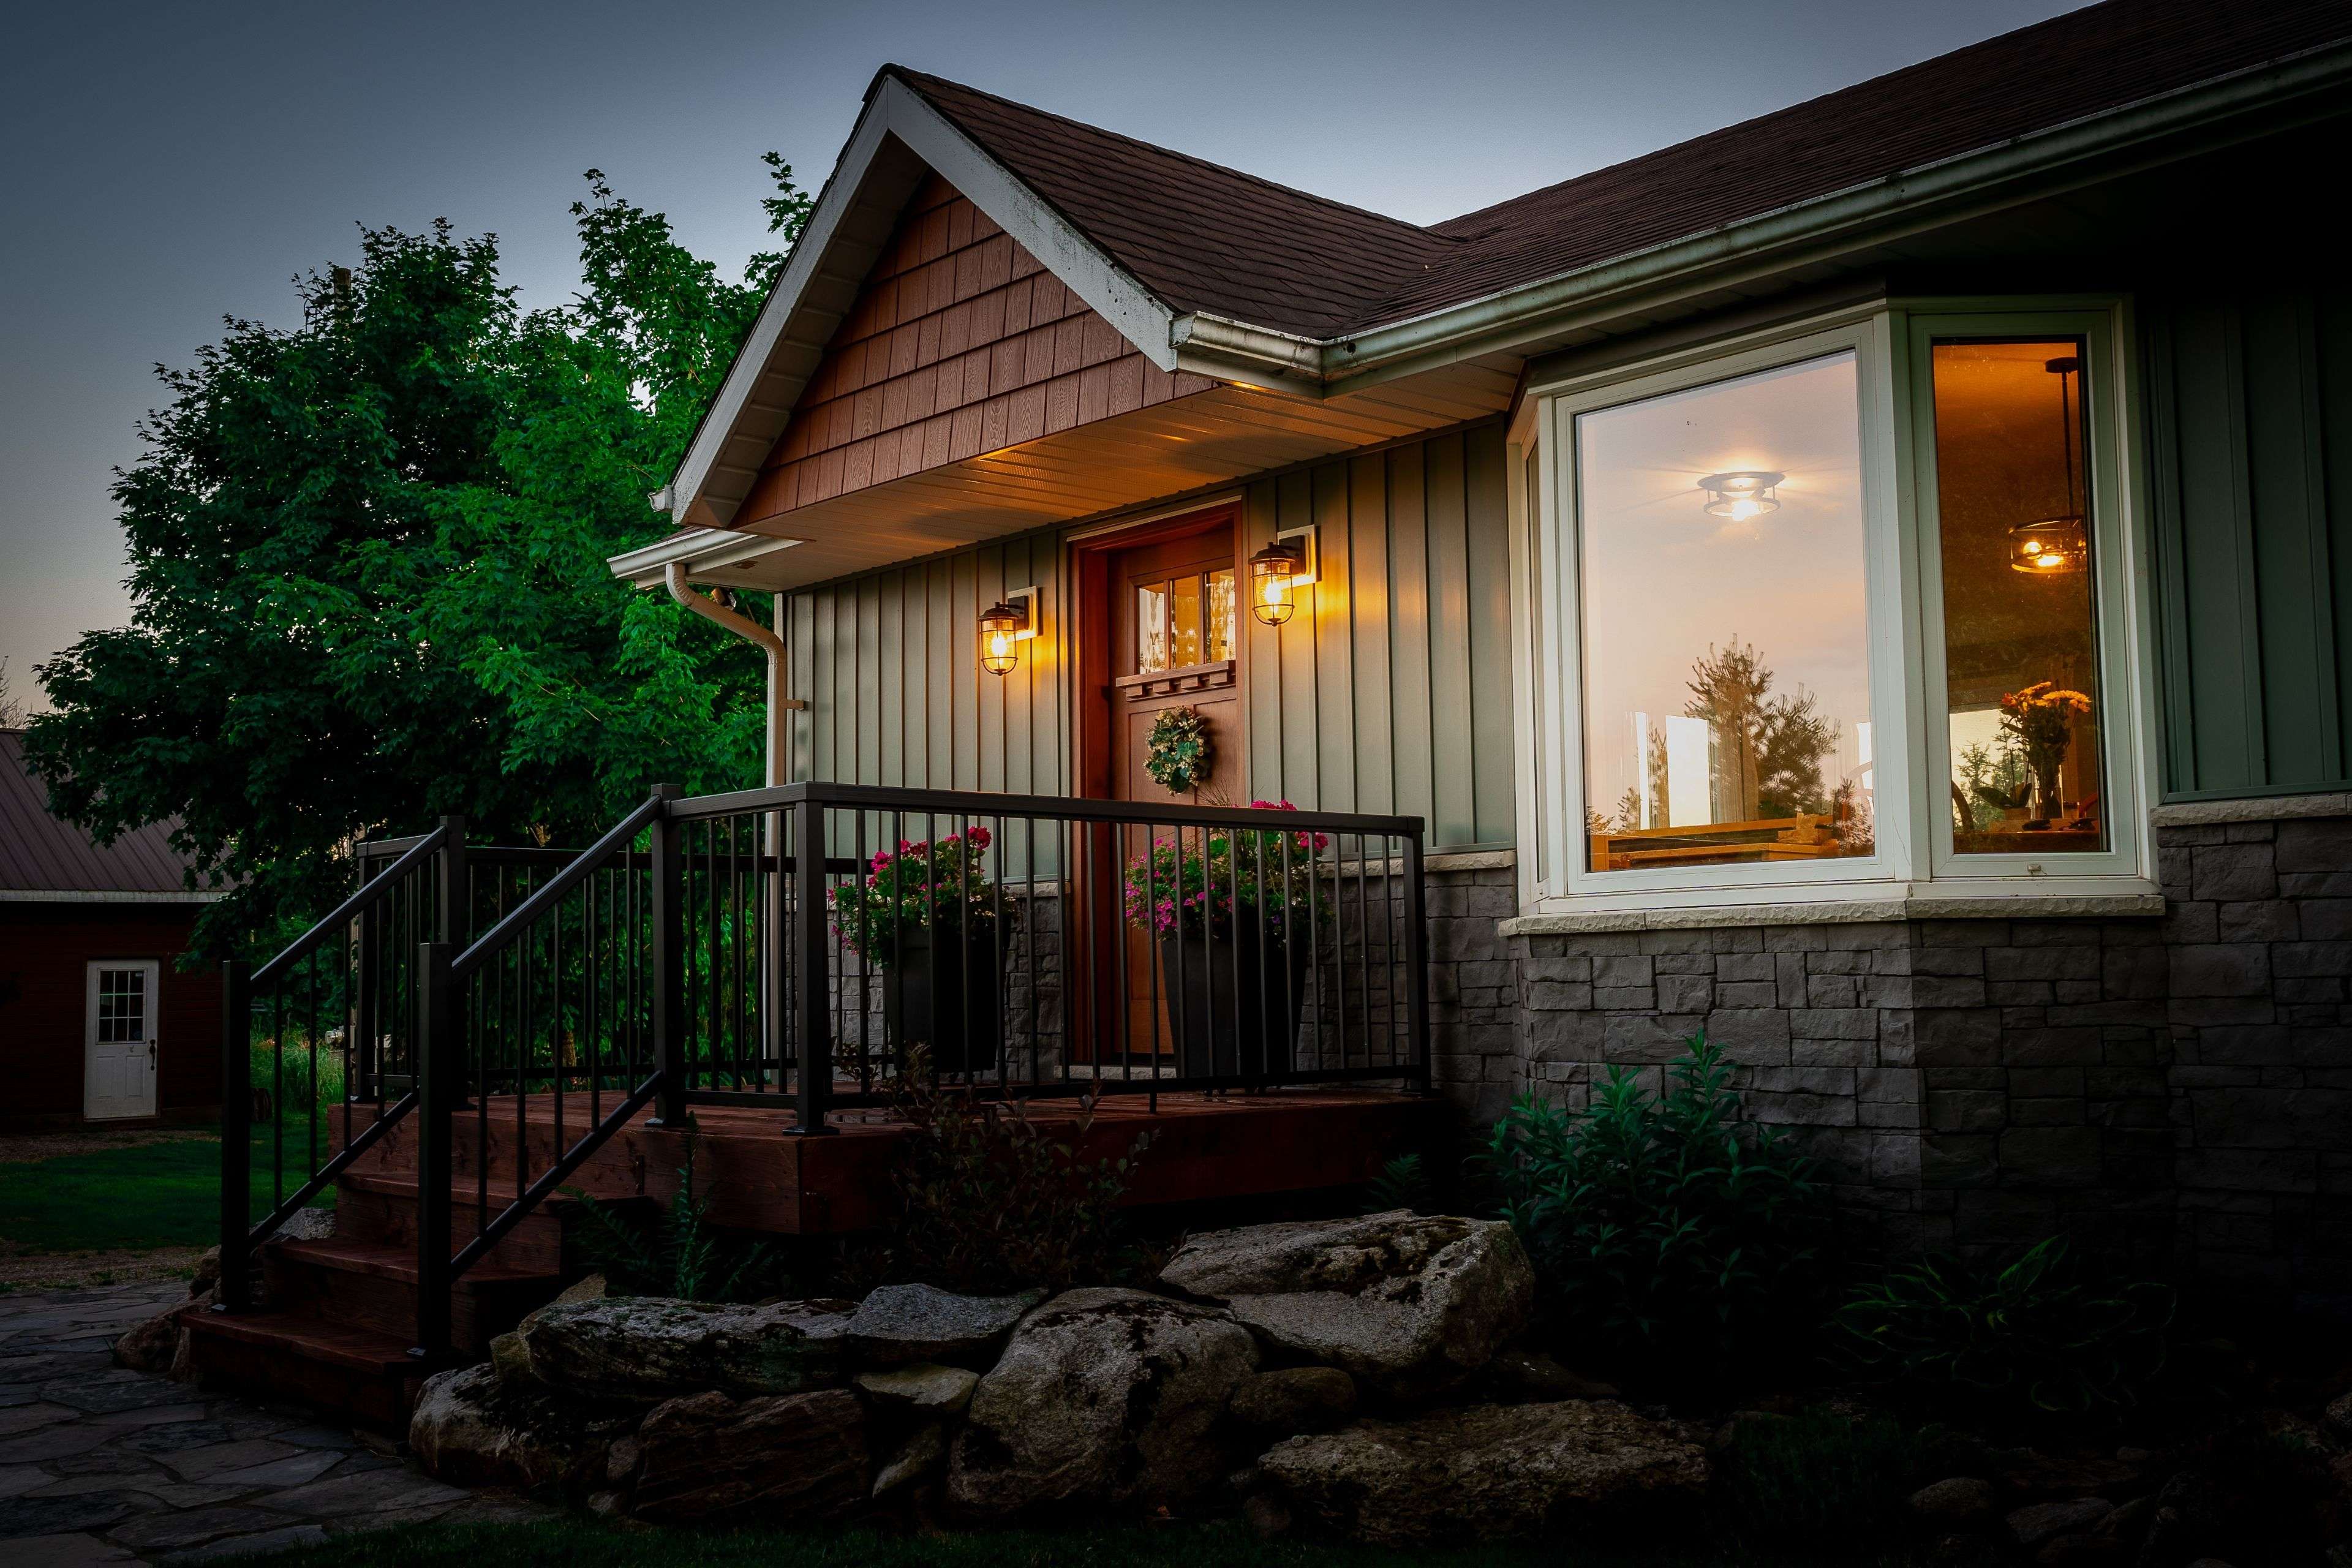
x=1727, y=712
x=2013, y=497
x=1221, y=615
x=1184, y=606
x=1150, y=628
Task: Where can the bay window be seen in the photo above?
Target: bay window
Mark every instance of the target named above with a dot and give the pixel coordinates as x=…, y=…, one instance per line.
x=1836, y=615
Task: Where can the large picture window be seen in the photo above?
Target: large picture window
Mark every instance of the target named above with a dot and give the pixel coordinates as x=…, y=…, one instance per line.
x=1726, y=714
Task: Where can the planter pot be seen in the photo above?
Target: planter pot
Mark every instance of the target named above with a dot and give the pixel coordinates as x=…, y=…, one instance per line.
x=948, y=996
x=1233, y=1002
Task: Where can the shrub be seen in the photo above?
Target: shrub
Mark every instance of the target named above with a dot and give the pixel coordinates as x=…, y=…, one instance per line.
x=1663, y=1222
x=1403, y=1182
x=1818, y=1476
x=997, y=1200
x=2036, y=1334
x=679, y=1254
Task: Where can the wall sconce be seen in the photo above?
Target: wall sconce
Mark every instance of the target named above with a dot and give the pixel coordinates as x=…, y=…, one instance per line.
x=1004, y=626
x=1742, y=493
x=1286, y=563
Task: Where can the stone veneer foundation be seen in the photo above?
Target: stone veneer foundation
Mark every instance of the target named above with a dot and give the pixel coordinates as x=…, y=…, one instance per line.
x=2170, y=1080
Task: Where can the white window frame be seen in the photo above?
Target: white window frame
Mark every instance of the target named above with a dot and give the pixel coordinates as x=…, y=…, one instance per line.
x=1904, y=596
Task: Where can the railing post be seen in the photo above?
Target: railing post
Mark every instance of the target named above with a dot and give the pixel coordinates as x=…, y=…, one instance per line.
x=367, y=1064
x=812, y=1041
x=237, y=1135
x=669, y=966
x=1416, y=983
x=438, y=1062
x=453, y=912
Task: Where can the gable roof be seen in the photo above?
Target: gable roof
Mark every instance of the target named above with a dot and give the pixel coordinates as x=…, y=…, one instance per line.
x=45, y=859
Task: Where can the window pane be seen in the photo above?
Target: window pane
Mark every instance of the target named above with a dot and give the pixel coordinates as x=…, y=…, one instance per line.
x=1221, y=615
x=2020, y=652
x=1184, y=636
x=1727, y=647
x=1151, y=630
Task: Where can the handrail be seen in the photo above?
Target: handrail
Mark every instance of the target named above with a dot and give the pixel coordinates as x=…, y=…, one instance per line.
x=368, y=893
x=551, y=892
x=330, y=1170
x=985, y=804
x=539, y=1191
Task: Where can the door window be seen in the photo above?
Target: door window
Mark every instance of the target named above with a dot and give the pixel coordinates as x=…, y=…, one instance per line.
x=121, y=1006
x=1184, y=620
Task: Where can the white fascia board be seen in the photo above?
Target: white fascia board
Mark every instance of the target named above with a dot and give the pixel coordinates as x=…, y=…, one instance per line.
x=897, y=110
x=702, y=549
x=102, y=895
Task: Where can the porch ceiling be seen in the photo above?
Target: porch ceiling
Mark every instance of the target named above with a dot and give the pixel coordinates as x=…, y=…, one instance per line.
x=1188, y=445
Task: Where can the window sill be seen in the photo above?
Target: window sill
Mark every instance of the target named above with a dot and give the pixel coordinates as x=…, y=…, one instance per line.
x=1844, y=911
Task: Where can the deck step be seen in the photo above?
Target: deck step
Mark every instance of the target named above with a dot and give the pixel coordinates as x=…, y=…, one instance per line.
x=372, y=1285
x=365, y=1373
x=381, y=1207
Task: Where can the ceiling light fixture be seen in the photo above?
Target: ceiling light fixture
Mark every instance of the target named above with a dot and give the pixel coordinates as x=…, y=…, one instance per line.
x=1742, y=493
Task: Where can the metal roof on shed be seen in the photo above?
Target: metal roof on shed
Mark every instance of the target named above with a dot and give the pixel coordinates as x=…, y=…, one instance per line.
x=41, y=854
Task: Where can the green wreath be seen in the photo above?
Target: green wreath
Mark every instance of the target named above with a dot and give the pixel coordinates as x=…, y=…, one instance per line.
x=1177, y=753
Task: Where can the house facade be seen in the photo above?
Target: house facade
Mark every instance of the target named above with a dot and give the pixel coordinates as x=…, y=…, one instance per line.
x=1872, y=584
x=100, y=1025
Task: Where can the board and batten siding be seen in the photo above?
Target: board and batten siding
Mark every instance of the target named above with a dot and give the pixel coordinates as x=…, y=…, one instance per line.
x=2249, y=437
x=1388, y=692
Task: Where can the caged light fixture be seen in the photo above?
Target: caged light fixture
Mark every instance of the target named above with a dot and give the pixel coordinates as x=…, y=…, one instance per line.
x=1283, y=566
x=1004, y=626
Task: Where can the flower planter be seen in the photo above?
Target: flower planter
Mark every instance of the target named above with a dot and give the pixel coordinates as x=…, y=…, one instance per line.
x=1234, y=1001
x=946, y=996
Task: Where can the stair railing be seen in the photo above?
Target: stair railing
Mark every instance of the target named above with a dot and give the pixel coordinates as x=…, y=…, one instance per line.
x=338, y=1001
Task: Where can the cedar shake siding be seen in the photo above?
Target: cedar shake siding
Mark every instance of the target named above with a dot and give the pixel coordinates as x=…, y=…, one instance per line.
x=961, y=342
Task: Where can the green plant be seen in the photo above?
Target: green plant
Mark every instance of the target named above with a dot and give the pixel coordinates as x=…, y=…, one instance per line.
x=997, y=1198
x=1402, y=1183
x=1202, y=877
x=1178, y=751
x=2036, y=1334
x=1818, y=1476
x=942, y=884
x=679, y=1254
x=1661, y=1223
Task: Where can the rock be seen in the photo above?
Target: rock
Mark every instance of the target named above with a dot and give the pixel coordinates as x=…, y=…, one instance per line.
x=1487, y=1472
x=792, y=1457
x=900, y=1324
x=306, y=1224
x=150, y=1346
x=1411, y=1306
x=587, y=1288
x=650, y=1348
x=472, y=1428
x=1266, y=1516
x=929, y=1389
x=2032, y=1526
x=207, y=1273
x=2044, y=1477
x=510, y=1361
x=1294, y=1399
x=1103, y=1398
x=1521, y=1377
x=1961, y=1502
x=2339, y=1415
x=2083, y=1547
x=621, y=1462
x=605, y=1505
x=2127, y=1525
x=919, y=1458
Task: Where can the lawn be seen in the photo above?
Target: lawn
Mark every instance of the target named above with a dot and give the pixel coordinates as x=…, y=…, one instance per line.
x=582, y=1543
x=137, y=1198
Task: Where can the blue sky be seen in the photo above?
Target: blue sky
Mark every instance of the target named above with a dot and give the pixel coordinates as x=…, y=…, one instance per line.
x=171, y=165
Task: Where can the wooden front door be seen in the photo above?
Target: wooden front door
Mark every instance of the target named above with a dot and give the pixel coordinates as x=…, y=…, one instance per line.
x=1168, y=607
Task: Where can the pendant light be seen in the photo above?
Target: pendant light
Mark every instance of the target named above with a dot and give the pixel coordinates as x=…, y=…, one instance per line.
x=2052, y=546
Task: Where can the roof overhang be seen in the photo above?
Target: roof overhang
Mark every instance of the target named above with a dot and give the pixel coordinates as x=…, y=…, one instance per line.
x=712, y=555
x=104, y=896
x=898, y=136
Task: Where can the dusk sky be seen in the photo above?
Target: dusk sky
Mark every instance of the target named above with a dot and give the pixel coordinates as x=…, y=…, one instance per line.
x=171, y=165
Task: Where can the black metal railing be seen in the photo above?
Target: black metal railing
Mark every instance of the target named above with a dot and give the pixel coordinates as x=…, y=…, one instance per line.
x=814, y=947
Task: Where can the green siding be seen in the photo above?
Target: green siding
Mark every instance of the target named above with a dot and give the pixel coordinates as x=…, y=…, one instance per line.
x=1388, y=692
x=2250, y=457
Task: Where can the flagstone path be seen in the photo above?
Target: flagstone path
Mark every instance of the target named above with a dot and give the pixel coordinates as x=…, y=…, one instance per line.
x=102, y=1464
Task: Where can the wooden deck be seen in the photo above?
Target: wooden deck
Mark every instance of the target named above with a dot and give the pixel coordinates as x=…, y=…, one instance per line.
x=1202, y=1148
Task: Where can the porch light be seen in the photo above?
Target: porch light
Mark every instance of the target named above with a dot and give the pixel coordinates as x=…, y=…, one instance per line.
x=1004, y=627
x=1285, y=563
x=2051, y=545
x=1741, y=493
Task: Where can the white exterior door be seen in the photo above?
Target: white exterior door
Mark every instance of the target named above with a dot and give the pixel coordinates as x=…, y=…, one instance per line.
x=118, y=1038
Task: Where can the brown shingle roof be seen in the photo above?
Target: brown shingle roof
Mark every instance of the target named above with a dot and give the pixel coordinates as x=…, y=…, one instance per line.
x=40, y=854
x=1207, y=238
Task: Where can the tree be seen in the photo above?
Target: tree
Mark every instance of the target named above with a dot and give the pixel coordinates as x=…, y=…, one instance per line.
x=1768, y=750
x=368, y=570
x=12, y=709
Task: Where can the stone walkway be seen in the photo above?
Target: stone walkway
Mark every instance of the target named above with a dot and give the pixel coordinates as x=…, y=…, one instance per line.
x=101, y=1465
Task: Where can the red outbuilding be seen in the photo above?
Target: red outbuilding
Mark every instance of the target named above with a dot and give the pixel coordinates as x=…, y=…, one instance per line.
x=99, y=1021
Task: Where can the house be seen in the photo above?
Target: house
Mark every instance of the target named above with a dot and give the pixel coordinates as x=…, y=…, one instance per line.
x=1869, y=585
x=99, y=1021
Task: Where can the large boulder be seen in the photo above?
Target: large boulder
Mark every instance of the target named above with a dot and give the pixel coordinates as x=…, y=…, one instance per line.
x=152, y=1345
x=1486, y=1472
x=471, y=1428
x=1410, y=1305
x=1104, y=1398
x=650, y=1348
x=926, y=1390
x=901, y=1323
x=797, y=1457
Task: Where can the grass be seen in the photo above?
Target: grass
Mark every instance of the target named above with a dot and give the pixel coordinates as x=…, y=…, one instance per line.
x=584, y=1544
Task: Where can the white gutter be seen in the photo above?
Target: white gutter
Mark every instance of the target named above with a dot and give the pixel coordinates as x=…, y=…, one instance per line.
x=1213, y=346
x=778, y=731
